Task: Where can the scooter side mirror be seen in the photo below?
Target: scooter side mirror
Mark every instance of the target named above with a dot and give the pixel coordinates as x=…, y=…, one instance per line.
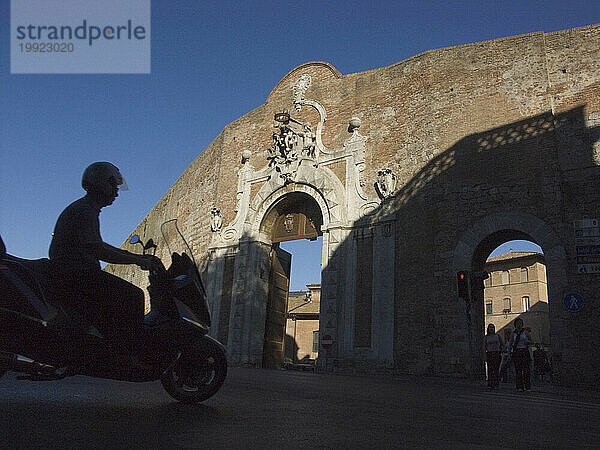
x=135, y=239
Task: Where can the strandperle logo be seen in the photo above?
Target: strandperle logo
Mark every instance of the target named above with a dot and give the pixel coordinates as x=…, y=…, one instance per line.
x=80, y=36
x=85, y=32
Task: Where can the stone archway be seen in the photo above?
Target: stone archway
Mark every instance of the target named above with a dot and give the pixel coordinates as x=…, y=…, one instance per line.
x=356, y=316
x=478, y=241
x=296, y=204
x=318, y=183
x=254, y=259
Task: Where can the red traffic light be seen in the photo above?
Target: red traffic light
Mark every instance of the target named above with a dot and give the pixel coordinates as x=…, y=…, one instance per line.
x=463, y=285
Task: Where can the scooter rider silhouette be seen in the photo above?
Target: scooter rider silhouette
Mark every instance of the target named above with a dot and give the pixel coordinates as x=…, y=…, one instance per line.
x=113, y=305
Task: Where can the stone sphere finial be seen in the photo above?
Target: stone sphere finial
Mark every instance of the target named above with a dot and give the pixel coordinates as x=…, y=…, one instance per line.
x=354, y=124
x=246, y=155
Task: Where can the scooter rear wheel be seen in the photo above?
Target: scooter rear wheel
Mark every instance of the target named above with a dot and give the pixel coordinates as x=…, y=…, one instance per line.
x=197, y=377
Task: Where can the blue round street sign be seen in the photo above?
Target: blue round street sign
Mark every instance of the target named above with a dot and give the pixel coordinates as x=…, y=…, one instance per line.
x=573, y=302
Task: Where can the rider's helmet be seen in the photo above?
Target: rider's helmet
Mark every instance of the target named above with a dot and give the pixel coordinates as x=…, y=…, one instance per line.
x=102, y=177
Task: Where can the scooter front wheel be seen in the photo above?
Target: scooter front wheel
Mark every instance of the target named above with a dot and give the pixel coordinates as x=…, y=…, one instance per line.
x=197, y=377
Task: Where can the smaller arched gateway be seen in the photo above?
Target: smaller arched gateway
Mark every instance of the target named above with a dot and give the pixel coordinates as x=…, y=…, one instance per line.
x=249, y=273
x=478, y=241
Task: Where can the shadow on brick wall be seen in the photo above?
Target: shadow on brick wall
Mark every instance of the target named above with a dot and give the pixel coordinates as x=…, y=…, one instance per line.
x=544, y=166
x=538, y=166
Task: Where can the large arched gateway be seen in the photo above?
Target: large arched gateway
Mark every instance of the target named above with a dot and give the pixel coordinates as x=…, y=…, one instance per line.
x=410, y=173
x=247, y=267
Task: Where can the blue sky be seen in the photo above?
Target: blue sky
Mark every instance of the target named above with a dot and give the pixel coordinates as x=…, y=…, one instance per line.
x=212, y=62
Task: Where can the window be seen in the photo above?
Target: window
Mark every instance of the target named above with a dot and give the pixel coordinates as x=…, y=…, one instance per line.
x=488, y=308
x=316, y=341
x=505, y=277
x=506, y=303
x=524, y=275
x=525, y=303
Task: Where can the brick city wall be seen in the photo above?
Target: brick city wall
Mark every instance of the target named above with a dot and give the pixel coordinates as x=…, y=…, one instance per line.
x=503, y=125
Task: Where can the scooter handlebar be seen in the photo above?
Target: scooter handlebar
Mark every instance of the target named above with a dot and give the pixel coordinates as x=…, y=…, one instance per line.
x=153, y=264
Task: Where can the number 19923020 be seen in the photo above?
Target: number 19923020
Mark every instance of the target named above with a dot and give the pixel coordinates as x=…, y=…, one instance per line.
x=46, y=47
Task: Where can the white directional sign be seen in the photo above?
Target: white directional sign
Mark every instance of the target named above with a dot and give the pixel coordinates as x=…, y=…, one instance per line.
x=588, y=268
x=587, y=245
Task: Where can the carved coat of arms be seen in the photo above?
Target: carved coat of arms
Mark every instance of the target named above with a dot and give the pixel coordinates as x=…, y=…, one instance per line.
x=386, y=183
x=288, y=223
x=295, y=140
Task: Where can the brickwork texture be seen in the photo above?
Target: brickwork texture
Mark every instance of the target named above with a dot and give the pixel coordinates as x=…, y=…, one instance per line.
x=510, y=125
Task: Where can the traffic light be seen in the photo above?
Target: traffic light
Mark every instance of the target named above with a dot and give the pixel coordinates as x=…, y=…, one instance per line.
x=464, y=288
x=468, y=281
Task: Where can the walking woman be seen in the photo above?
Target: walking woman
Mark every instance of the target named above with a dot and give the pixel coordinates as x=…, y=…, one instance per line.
x=520, y=342
x=493, y=355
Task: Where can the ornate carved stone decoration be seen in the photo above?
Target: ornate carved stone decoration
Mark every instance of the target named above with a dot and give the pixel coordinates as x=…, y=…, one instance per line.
x=387, y=230
x=246, y=155
x=386, y=183
x=243, y=175
x=356, y=145
x=247, y=174
x=295, y=141
x=300, y=87
x=288, y=223
x=297, y=158
x=216, y=221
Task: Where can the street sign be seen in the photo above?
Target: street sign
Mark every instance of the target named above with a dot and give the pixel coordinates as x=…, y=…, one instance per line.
x=585, y=250
x=588, y=268
x=326, y=341
x=587, y=245
x=594, y=259
x=586, y=223
x=573, y=302
x=587, y=232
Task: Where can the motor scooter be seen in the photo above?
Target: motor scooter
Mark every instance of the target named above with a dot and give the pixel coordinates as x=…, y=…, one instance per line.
x=43, y=338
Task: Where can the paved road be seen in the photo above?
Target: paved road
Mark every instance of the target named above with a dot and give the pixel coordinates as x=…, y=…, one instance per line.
x=259, y=408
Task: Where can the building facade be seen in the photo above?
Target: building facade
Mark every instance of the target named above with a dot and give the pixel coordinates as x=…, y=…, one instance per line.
x=515, y=288
x=410, y=173
x=302, y=328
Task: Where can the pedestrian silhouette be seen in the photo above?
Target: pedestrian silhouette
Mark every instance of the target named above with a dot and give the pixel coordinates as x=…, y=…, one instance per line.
x=493, y=355
x=540, y=362
x=521, y=339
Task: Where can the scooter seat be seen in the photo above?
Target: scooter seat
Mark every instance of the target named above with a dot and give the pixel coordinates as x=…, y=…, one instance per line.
x=27, y=281
x=40, y=268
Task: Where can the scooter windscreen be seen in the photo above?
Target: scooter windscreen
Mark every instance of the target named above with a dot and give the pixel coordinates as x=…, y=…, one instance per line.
x=183, y=270
x=175, y=241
